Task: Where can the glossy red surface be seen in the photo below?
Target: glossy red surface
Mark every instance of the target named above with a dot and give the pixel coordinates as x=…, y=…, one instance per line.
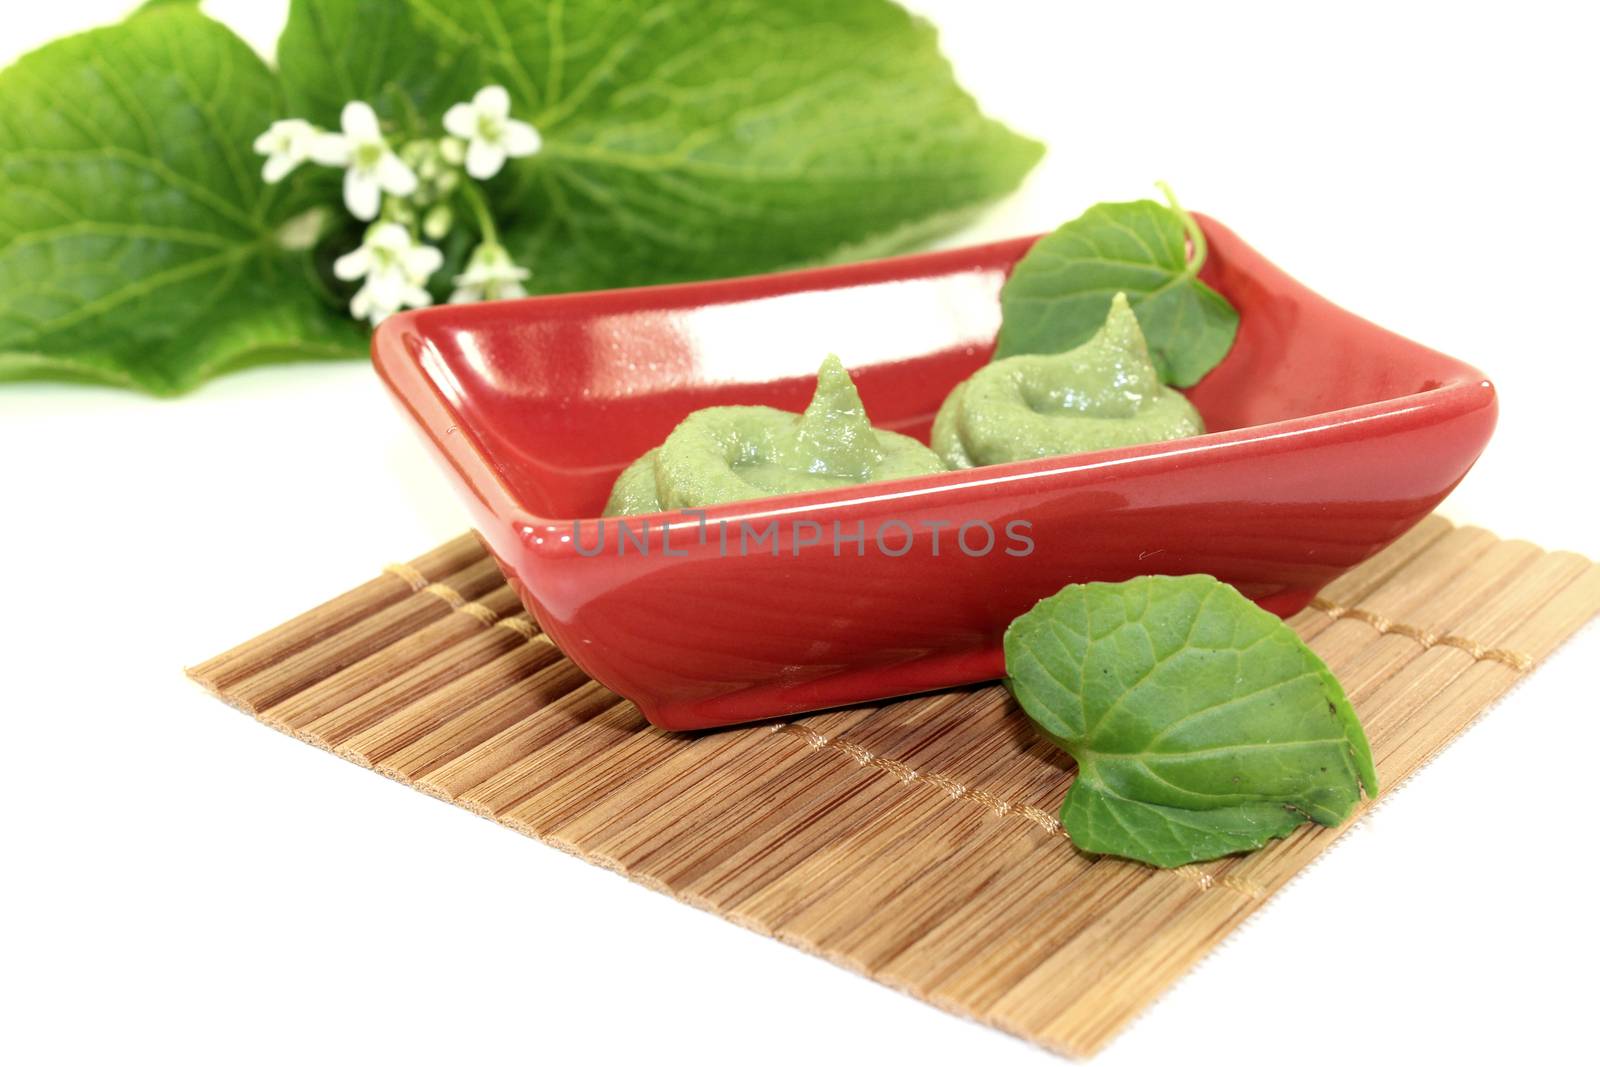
x=1330, y=438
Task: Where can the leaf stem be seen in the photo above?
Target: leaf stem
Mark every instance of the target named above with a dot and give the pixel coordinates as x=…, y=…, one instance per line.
x=1197, y=237
x=318, y=284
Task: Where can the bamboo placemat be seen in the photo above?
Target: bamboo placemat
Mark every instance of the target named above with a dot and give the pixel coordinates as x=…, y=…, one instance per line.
x=915, y=841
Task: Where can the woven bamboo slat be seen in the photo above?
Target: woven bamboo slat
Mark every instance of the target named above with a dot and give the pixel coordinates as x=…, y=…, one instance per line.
x=913, y=841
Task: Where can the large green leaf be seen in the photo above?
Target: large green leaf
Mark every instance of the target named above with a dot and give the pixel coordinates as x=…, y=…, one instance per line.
x=1202, y=725
x=335, y=51
x=698, y=139
x=138, y=244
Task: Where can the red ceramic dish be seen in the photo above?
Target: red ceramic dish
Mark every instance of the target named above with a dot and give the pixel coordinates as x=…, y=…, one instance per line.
x=1330, y=437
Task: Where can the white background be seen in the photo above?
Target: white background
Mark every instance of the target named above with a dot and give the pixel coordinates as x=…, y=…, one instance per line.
x=185, y=883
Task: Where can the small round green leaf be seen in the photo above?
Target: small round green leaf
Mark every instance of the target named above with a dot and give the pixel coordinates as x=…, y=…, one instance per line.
x=1058, y=294
x=1201, y=724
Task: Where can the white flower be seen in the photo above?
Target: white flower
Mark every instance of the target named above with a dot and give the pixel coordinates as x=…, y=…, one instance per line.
x=490, y=275
x=437, y=177
x=395, y=267
x=490, y=132
x=374, y=168
x=437, y=222
x=375, y=305
x=286, y=144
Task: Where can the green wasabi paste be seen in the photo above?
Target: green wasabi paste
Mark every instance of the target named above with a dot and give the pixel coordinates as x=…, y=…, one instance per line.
x=1103, y=394
x=721, y=454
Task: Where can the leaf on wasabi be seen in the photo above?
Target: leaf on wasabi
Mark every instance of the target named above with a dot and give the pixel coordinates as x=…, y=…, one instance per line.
x=1058, y=293
x=1201, y=724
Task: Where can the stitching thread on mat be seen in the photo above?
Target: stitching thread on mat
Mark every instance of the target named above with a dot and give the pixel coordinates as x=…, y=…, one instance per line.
x=408, y=574
x=1517, y=661
x=447, y=594
x=460, y=603
x=451, y=596
x=519, y=625
x=955, y=790
x=943, y=783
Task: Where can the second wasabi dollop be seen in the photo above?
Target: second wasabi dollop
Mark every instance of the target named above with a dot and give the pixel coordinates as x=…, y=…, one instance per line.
x=722, y=454
x=1105, y=393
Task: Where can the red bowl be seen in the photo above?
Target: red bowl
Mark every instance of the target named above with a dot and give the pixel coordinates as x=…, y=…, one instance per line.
x=1330, y=438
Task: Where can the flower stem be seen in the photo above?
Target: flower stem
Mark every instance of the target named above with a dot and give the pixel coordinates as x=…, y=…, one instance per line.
x=325, y=294
x=480, y=211
x=1197, y=237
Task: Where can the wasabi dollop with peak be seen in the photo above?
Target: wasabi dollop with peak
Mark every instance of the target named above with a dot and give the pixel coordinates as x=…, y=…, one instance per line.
x=722, y=454
x=1106, y=393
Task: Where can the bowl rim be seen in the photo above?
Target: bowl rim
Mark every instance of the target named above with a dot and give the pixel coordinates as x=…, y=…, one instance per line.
x=1460, y=388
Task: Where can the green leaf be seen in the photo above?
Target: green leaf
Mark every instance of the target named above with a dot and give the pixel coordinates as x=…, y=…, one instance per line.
x=335, y=51
x=693, y=140
x=138, y=244
x=1058, y=293
x=1201, y=724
